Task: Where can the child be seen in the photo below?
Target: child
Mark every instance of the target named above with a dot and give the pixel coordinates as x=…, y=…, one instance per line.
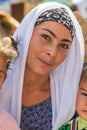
x=8, y=51
x=80, y=122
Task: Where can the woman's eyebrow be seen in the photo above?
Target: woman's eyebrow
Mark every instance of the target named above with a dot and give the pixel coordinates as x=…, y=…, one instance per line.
x=54, y=35
x=66, y=40
x=83, y=89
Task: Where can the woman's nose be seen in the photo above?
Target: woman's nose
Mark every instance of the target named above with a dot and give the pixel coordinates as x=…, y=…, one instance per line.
x=52, y=51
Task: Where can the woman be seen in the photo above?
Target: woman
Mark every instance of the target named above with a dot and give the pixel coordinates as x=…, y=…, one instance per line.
x=45, y=77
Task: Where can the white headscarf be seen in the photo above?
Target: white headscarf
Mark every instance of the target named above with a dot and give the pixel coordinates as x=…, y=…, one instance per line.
x=64, y=79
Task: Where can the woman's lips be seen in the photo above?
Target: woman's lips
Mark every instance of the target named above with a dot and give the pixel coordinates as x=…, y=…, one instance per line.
x=45, y=62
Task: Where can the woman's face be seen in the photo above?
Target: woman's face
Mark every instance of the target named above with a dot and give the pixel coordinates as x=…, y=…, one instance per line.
x=49, y=47
x=81, y=102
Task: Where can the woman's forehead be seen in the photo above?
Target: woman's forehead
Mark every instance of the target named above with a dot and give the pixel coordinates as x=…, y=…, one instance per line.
x=54, y=29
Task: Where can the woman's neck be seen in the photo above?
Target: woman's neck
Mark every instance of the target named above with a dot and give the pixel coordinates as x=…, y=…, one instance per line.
x=35, y=81
x=36, y=88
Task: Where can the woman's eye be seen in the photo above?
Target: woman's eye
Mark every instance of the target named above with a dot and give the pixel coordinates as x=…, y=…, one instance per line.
x=46, y=37
x=84, y=94
x=63, y=45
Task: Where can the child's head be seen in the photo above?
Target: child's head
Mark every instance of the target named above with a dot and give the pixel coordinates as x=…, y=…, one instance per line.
x=81, y=101
x=8, y=51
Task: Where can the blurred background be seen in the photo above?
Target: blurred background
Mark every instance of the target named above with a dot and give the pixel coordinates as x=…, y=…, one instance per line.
x=19, y=8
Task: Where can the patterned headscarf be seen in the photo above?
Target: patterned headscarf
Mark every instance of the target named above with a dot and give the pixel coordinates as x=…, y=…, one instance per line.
x=58, y=15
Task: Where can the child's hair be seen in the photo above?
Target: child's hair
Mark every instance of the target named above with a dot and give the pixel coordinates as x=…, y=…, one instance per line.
x=8, y=49
x=84, y=74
